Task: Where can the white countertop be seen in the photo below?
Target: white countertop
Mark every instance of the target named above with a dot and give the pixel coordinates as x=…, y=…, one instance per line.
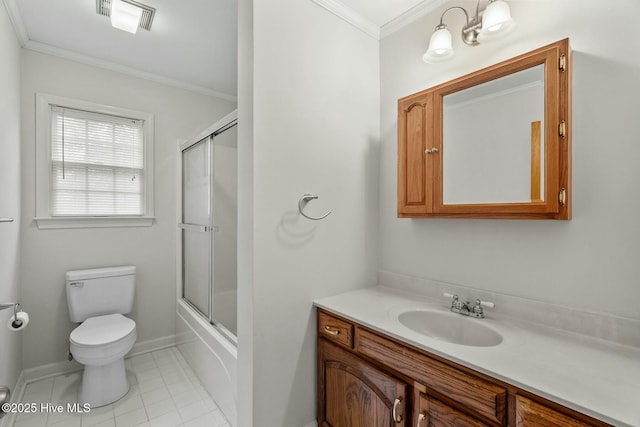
x=592, y=376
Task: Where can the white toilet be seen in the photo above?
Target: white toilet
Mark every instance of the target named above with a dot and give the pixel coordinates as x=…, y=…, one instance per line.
x=98, y=298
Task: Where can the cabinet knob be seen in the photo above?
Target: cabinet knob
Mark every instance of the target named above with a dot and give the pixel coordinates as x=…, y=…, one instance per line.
x=432, y=150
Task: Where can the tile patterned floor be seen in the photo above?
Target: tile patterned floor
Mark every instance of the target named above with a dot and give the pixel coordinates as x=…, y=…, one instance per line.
x=164, y=393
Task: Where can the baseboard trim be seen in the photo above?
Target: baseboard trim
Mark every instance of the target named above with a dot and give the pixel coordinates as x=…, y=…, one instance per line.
x=52, y=369
x=312, y=424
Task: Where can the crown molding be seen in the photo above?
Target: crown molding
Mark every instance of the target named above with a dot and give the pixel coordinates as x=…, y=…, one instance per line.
x=16, y=21
x=123, y=69
x=416, y=12
x=352, y=17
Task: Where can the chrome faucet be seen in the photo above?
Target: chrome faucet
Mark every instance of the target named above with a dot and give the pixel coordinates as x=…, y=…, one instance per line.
x=465, y=308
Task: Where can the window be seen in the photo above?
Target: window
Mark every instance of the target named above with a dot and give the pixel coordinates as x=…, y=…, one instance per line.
x=94, y=165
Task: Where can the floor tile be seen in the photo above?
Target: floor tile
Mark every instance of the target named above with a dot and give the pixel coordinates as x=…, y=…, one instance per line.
x=162, y=407
x=148, y=374
x=70, y=422
x=132, y=418
x=180, y=387
x=37, y=420
x=127, y=404
x=164, y=392
x=97, y=416
x=170, y=419
x=192, y=411
x=155, y=396
x=108, y=423
x=186, y=398
x=150, y=384
x=39, y=391
x=61, y=417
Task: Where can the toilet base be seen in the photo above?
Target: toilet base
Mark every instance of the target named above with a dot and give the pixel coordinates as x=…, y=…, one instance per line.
x=102, y=385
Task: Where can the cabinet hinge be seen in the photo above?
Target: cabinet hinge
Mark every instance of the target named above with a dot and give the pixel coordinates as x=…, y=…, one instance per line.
x=562, y=63
x=562, y=129
x=562, y=197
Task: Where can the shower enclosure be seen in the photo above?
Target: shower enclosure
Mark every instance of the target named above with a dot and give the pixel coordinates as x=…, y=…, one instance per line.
x=209, y=227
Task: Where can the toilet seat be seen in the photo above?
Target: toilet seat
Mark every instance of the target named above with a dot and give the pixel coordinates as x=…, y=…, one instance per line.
x=100, y=331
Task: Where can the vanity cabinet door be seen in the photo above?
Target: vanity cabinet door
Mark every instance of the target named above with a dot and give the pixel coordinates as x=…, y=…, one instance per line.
x=352, y=393
x=433, y=413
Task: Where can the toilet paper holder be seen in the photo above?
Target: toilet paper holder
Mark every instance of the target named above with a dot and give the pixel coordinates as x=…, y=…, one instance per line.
x=16, y=305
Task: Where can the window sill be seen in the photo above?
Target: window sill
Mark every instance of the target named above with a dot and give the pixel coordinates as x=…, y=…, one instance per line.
x=47, y=223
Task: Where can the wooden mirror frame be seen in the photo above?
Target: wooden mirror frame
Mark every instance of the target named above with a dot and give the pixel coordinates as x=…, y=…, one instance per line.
x=420, y=143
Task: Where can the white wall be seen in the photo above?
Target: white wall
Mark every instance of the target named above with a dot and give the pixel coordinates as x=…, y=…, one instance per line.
x=10, y=342
x=315, y=129
x=48, y=254
x=590, y=262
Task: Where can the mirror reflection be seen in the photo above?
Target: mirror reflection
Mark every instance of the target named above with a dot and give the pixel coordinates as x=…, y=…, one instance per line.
x=493, y=141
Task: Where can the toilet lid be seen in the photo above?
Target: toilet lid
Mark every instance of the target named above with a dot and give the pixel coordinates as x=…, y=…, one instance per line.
x=101, y=330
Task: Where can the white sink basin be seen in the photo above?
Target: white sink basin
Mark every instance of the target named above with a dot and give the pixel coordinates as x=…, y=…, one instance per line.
x=450, y=327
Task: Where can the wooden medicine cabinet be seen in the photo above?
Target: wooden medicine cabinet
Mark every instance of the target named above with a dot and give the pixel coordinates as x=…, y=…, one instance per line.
x=495, y=143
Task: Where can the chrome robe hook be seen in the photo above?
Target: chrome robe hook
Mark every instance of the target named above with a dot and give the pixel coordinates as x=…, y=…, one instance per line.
x=303, y=201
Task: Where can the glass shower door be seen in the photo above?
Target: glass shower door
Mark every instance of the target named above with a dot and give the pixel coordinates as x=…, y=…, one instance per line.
x=209, y=227
x=196, y=225
x=225, y=220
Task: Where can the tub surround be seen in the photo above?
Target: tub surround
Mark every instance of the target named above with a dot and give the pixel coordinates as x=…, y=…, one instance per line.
x=596, y=377
x=213, y=358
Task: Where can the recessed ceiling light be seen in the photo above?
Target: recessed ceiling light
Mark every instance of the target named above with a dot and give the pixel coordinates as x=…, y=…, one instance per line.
x=126, y=15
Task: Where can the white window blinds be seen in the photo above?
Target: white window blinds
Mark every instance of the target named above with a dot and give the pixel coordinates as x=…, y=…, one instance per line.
x=97, y=164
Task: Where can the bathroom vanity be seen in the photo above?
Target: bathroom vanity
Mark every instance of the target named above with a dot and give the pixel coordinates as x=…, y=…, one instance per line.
x=375, y=371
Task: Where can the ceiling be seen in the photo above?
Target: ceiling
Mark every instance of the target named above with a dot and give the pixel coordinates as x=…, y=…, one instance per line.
x=192, y=43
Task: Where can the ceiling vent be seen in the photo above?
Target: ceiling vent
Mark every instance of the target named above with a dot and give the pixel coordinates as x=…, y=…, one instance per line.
x=103, y=7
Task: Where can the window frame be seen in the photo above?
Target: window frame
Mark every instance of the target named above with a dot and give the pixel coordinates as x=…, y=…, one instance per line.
x=43, y=218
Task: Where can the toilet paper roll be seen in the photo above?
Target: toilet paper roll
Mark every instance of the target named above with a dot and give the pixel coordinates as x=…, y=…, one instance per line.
x=18, y=322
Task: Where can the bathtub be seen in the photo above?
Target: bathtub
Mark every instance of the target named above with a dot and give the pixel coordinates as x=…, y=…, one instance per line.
x=212, y=356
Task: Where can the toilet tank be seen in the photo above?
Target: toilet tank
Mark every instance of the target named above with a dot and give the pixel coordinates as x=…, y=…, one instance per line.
x=100, y=291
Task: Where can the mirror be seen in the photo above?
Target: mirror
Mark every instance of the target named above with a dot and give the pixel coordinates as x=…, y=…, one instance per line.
x=491, y=144
x=492, y=141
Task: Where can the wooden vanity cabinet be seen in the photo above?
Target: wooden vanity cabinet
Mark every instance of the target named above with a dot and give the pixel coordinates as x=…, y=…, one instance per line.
x=355, y=393
x=431, y=412
x=363, y=375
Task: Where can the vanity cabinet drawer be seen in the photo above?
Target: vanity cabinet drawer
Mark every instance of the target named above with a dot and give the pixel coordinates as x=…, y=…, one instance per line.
x=433, y=413
x=533, y=414
x=337, y=330
x=476, y=394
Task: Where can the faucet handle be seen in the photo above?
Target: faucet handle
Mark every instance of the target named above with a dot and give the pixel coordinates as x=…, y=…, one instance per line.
x=477, y=310
x=448, y=295
x=487, y=304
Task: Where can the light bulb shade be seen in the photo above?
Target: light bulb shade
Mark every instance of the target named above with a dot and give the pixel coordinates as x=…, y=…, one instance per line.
x=440, y=46
x=496, y=20
x=125, y=16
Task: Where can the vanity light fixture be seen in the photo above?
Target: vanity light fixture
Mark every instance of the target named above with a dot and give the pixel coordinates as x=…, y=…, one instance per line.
x=492, y=22
x=126, y=15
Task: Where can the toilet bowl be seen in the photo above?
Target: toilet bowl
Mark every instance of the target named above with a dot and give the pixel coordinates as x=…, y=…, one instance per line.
x=100, y=343
x=98, y=299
